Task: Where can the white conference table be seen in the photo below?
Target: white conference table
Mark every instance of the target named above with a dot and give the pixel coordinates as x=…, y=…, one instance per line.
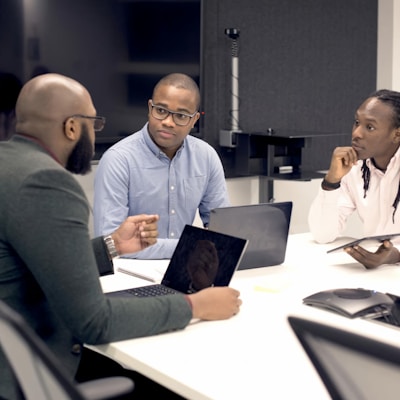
x=255, y=354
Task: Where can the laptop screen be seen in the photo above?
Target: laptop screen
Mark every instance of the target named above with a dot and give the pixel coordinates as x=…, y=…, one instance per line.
x=203, y=258
x=265, y=225
x=351, y=366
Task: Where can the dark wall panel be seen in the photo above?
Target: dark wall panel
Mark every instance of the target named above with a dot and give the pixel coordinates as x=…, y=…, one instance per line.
x=303, y=65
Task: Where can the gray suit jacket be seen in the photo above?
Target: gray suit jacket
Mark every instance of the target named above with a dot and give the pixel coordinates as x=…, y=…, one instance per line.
x=49, y=266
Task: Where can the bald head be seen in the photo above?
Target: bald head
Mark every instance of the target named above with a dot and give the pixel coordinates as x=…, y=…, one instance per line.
x=45, y=103
x=47, y=100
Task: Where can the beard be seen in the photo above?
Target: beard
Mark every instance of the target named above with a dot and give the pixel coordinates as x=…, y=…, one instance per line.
x=79, y=161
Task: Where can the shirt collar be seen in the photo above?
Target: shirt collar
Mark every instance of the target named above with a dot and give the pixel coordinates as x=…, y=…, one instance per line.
x=393, y=160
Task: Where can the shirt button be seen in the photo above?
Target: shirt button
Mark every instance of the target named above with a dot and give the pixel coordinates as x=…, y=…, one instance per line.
x=172, y=211
x=172, y=187
x=172, y=234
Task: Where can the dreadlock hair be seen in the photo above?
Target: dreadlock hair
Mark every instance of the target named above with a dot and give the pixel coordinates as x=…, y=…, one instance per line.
x=392, y=99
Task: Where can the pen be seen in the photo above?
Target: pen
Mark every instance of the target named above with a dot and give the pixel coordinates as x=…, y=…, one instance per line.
x=137, y=274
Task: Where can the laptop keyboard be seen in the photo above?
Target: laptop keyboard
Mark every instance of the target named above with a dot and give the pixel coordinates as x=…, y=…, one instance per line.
x=151, y=291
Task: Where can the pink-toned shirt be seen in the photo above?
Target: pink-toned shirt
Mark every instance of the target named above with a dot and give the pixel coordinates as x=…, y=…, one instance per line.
x=330, y=209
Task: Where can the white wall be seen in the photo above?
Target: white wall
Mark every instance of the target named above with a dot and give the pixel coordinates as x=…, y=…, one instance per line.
x=388, y=62
x=87, y=182
x=241, y=191
x=302, y=193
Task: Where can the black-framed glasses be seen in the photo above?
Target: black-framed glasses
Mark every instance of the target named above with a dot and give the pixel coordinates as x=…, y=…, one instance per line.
x=179, y=118
x=98, y=122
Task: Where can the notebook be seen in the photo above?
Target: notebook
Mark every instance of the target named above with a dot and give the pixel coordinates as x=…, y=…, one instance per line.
x=202, y=258
x=351, y=366
x=265, y=226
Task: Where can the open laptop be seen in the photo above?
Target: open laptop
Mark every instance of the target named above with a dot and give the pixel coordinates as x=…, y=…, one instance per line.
x=202, y=258
x=351, y=366
x=265, y=225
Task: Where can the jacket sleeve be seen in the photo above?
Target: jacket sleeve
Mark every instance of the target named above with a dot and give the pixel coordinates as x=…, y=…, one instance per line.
x=104, y=264
x=49, y=232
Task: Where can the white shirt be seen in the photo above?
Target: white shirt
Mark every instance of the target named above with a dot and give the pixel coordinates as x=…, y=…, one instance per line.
x=330, y=209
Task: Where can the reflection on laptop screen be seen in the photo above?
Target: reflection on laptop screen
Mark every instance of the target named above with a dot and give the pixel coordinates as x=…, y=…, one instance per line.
x=351, y=366
x=203, y=258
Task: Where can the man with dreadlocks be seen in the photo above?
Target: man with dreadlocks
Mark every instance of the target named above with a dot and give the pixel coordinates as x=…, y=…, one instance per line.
x=364, y=177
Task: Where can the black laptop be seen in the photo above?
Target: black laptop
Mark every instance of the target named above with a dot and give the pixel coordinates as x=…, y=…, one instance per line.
x=265, y=225
x=352, y=366
x=202, y=258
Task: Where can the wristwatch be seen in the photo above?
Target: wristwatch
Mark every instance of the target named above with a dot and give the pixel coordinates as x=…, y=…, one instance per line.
x=109, y=241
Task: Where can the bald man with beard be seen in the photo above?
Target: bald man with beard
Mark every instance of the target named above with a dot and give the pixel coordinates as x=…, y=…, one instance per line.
x=41, y=109
x=49, y=267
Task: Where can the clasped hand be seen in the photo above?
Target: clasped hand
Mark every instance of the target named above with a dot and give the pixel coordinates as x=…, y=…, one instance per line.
x=136, y=233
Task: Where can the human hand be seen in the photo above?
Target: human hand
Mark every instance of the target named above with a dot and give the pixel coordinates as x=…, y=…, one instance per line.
x=215, y=303
x=343, y=159
x=202, y=264
x=385, y=254
x=136, y=233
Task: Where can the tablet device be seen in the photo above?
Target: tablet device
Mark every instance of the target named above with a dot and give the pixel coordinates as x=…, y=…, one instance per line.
x=378, y=238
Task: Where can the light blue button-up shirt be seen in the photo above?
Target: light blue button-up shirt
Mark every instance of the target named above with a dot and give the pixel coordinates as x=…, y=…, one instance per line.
x=135, y=177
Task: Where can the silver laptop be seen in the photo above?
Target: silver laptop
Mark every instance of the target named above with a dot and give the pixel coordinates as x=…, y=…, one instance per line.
x=352, y=366
x=265, y=226
x=202, y=258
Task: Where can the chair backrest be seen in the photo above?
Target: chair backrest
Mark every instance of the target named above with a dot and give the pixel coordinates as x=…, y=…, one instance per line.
x=37, y=371
x=39, y=374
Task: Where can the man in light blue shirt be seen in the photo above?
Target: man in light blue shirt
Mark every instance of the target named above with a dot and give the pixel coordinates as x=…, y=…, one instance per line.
x=161, y=169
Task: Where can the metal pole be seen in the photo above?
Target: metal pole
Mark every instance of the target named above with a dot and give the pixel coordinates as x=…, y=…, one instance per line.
x=235, y=86
x=227, y=137
x=233, y=34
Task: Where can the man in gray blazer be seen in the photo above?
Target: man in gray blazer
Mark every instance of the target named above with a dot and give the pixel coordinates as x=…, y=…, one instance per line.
x=49, y=267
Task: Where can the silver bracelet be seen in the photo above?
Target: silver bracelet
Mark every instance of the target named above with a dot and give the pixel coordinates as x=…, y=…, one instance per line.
x=109, y=241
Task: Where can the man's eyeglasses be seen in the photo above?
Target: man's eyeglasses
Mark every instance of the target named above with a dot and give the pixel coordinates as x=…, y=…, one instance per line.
x=98, y=122
x=162, y=113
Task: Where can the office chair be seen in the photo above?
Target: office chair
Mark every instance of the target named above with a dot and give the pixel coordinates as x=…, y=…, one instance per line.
x=37, y=371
